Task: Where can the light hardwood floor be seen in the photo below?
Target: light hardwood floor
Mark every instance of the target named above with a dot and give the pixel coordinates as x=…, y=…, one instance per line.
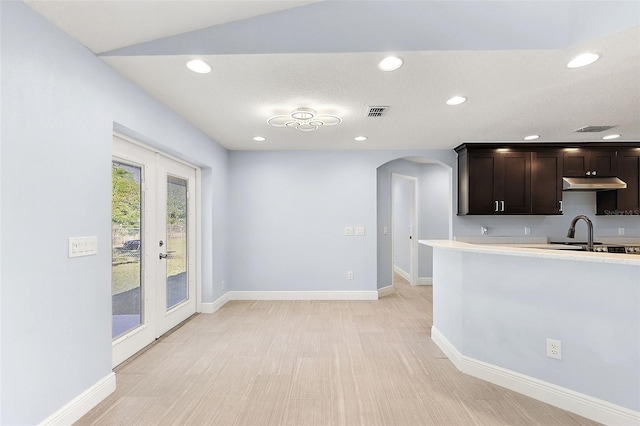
x=312, y=363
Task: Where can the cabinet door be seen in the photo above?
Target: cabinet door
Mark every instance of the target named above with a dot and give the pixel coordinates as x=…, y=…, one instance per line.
x=575, y=162
x=482, y=168
x=546, y=182
x=602, y=162
x=513, y=183
x=579, y=162
x=629, y=171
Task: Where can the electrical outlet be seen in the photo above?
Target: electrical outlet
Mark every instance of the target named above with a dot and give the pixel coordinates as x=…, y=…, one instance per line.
x=620, y=231
x=484, y=230
x=360, y=231
x=349, y=275
x=384, y=230
x=527, y=230
x=554, y=348
x=348, y=230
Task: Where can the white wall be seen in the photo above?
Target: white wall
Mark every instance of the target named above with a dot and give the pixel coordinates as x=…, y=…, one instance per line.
x=499, y=309
x=287, y=216
x=59, y=107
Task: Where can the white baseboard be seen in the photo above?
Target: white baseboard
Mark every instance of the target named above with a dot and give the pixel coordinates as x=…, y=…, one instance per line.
x=209, y=308
x=404, y=274
x=566, y=399
x=83, y=403
x=425, y=281
x=303, y=295
x=385, y=291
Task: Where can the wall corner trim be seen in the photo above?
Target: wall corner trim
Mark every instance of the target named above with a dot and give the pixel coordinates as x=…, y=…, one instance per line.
x=209, y=308
x=385, y=291
x=566, y=399
x=83, y=403
x=425, y=281
x=404, y=274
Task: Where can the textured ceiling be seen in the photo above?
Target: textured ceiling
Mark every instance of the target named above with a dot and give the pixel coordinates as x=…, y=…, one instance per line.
x=268, y=58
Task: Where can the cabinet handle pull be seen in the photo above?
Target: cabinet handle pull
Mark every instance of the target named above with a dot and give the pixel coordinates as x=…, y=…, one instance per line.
x=496, y=206
x=588, y=173
x=593, y=173
x=501, y=206
x=560, y=204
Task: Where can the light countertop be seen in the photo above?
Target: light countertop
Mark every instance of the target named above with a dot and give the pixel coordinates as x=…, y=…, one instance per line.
x=537, y=250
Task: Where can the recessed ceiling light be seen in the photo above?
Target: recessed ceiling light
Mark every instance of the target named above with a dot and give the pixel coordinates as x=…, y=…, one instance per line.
x=199, y=66
x=457, y=100
x=360, y=138
x=610, y=137
x=583, y=60
x=259, y=139
x=531, y=137
x=390, y=63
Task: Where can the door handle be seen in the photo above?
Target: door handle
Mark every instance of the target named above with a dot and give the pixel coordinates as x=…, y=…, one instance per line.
x=496, y=206
x=560, y=204
x=163, y=256
x=501, y=206
x=593, y=173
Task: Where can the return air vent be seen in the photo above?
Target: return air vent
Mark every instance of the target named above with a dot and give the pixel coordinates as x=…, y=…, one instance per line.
x=377, y=111
x=593, y=129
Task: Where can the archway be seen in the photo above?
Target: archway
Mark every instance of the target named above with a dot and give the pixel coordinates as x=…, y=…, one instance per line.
x=434, y=193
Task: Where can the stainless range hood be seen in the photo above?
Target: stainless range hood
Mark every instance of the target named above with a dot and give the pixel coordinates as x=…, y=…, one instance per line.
x=592, y=184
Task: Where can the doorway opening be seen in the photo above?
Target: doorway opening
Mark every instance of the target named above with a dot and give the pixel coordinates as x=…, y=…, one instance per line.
x=430, y=183
x=404, y=226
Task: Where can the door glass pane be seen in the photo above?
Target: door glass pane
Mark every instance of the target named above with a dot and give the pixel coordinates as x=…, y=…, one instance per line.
x=177, y=289
x=126, y=266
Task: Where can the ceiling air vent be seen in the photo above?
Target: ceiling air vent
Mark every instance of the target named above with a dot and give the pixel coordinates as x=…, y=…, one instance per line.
x=593, y=129
x=377, y=111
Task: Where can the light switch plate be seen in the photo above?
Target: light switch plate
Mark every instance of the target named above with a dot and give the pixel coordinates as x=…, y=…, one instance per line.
x=348, y=230
x=360, y=231
x=83, y=246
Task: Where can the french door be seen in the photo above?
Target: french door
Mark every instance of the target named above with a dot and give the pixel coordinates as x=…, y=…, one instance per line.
x=153, y=280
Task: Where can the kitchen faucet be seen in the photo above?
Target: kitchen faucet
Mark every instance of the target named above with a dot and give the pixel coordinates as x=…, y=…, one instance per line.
x=572, y=230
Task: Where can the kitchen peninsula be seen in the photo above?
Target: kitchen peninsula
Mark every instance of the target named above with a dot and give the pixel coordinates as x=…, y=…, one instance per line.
x=495, y=306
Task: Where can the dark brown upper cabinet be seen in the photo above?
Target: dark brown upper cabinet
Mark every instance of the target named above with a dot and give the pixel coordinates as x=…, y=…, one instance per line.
x=546, y=182
x=494, y=182
x=585, y=162
x=526, y=178
x=623, y=201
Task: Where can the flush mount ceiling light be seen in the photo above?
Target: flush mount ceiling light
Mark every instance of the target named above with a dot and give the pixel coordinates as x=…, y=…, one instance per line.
x=583, y=60
x=611, y=137
x=360, y=138
x=531, y=137
x=390, y=63
x=457, y=100
x=304, y=120
x=199, y=66
x=259, y=139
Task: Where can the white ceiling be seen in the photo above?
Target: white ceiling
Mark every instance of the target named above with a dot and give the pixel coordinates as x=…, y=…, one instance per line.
x=268, y=58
